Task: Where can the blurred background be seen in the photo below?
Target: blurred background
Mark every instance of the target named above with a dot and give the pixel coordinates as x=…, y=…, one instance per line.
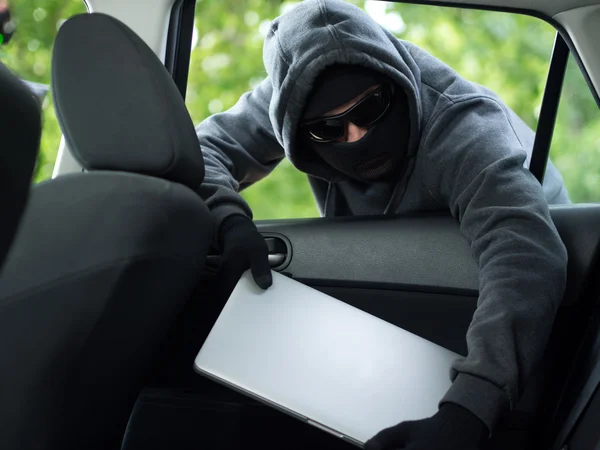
x=505, y=52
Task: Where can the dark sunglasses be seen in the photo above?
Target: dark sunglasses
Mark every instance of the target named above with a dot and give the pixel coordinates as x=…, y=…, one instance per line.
x=364, y=114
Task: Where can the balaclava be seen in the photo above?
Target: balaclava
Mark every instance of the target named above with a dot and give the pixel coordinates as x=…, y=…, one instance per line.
x=378, y=154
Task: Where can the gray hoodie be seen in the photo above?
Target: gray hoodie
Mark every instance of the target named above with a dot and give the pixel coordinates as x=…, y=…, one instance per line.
x=467, y=154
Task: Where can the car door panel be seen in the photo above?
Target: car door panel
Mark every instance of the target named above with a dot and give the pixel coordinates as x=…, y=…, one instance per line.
x=418, y=273
x=415, y=271
x=579, y=228
x=411, y=269
x=422, y=252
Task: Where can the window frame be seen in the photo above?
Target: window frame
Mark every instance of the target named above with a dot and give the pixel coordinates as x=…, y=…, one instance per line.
x=549, y=109
x=179, y=42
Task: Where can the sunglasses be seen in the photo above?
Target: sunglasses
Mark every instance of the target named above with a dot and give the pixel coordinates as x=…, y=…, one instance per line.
x=364, y=114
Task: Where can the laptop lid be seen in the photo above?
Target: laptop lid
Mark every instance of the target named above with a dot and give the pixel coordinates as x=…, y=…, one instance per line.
x=322, y=360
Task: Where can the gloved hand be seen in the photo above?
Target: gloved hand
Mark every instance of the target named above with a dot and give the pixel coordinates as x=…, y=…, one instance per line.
x=243, y=248
x=451, y=428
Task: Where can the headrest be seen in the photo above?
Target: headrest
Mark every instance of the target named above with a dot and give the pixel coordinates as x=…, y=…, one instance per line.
x=20, y=132
x=117, y=105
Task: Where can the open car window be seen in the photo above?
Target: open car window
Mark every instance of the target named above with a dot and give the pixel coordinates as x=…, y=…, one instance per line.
x=508, y=53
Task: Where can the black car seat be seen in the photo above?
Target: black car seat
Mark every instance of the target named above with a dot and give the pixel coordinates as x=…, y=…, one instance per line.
x=20, y=131
x=104, y=260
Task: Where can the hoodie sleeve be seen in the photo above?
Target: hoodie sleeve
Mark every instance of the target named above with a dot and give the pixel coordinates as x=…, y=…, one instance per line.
x=239, y=149
x=474, y=164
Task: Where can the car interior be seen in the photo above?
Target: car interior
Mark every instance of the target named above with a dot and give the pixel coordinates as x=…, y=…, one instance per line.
x=123, y=229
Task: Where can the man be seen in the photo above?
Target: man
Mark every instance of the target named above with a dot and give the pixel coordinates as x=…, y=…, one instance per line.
x=380, y=126
x=7, y=25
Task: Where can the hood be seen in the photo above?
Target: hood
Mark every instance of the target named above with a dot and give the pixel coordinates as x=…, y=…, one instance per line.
x=314, y=35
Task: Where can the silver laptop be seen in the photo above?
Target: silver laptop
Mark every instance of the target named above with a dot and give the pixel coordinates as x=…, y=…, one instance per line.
x=322, y=360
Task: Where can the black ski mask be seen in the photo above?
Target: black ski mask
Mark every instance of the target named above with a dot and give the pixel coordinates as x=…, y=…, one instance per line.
x=378, y=155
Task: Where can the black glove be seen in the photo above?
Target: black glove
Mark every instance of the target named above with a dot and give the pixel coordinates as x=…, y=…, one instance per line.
x=243, y=248
x=451, y=428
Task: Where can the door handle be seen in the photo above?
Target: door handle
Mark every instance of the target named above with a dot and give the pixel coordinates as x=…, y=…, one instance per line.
x=276, y=259
x=278, y=253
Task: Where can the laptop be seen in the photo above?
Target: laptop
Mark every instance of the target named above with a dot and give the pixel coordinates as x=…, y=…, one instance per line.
x=323, y=361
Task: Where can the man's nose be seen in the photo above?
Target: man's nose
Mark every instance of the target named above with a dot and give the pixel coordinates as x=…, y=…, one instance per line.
x=354, y=133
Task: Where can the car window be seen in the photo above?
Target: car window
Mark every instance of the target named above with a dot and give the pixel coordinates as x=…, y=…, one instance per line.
x=575, y=149
x=508, y=53
x=28, y=55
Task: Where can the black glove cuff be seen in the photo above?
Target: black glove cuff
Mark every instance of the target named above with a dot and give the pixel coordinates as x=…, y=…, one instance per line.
x=234, y=226
x=463, y=424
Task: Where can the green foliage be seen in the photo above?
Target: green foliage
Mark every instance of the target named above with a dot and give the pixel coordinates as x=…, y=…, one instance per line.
x=576, y=141
x=29, y=55
x=227, y=62
x=505, y=52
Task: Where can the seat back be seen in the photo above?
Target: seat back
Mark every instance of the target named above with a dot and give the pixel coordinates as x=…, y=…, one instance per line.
x=104, y=260
x=20, y=131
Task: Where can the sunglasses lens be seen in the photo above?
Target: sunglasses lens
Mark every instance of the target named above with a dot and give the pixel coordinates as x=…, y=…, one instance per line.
x=326, y=130
x=363, y=114
x=371, y=108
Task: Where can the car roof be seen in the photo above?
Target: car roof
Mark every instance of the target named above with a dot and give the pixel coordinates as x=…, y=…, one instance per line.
x=547, y=8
